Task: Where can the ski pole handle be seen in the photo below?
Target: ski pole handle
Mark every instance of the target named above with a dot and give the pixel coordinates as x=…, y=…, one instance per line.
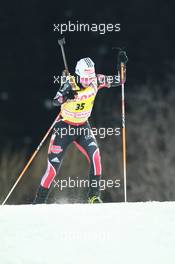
x=61, y=42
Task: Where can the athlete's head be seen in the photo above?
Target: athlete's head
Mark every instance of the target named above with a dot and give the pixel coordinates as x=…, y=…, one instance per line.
x=85, y=70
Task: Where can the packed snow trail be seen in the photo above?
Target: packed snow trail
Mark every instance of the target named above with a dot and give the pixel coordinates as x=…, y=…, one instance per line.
x=115, y=233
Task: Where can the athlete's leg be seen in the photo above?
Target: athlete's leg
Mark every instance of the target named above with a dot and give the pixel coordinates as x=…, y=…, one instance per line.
x=60, y=139
x=88, y=145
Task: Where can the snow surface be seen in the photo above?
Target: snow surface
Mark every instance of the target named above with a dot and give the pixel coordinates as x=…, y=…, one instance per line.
x=120, y=233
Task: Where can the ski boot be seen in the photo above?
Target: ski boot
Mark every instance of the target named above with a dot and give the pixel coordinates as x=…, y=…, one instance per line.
x=41, y=195
x=94, y=199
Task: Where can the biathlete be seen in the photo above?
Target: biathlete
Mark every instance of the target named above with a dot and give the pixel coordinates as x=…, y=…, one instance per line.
x=76, y=99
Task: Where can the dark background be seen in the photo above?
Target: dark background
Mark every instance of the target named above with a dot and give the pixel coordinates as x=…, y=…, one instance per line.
x=30, y=57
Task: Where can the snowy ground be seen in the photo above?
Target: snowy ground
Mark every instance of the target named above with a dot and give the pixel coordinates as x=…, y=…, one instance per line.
x=115, y=233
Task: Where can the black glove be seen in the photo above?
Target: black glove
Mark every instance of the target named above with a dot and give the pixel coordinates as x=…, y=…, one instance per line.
x=65, y=92
x=65, y=88
x=122, y=58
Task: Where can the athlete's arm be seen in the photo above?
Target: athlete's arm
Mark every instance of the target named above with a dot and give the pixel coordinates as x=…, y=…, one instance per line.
x=105, y=81
x=113, y=81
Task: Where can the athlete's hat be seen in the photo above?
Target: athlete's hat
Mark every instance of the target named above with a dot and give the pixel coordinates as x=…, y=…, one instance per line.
x=85, y=68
